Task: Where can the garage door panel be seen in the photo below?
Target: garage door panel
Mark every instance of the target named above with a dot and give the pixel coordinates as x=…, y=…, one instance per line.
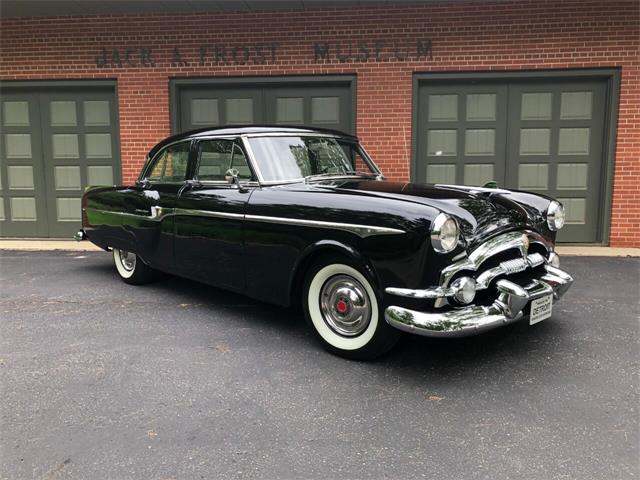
x=77, y=132
x=462, y=131
x=559, y=155
x=210, y=107
x=543, y=136
x=327, y=107
x=22, y=186
x=323, y=107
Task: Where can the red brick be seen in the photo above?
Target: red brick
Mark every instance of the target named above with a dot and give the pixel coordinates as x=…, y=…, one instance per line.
x=467, y=36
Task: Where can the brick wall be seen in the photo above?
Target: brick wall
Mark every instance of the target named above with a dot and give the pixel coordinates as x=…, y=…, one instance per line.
x=529, y=34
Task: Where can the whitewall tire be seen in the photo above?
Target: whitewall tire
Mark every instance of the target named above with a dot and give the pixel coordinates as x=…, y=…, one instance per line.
x=131, y=268
x=342, y=307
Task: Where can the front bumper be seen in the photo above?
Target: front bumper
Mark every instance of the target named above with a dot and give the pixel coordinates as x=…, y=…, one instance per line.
x=507, y=308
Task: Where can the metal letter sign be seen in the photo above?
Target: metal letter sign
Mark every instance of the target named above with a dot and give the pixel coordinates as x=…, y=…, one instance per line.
x=260, y=54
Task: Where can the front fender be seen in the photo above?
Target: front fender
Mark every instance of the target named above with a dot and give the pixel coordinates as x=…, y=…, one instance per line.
x=327, y=247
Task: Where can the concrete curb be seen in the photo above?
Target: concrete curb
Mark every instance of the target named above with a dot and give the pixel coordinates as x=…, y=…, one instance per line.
x=598, y=251
x=48, y=245
x=85, y=246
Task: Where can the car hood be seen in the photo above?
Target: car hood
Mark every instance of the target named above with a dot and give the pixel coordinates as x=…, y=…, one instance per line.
x=480, y=212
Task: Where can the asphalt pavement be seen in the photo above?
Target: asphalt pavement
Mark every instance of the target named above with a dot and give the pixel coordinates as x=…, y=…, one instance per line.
x=177, y=380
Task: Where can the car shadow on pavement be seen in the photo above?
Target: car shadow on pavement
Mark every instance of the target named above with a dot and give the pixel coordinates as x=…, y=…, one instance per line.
x=513, y=343
x=500, y=348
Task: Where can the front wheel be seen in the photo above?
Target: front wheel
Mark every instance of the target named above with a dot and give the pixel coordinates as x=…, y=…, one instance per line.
x=342, y=308
x=131, y=269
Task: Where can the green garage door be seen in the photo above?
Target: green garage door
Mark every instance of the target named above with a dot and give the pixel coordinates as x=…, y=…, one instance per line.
x=543, y=136
x=53, y=144
x=327, y=106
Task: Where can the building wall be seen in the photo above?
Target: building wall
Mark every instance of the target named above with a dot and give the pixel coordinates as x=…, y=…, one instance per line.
x=475, y=36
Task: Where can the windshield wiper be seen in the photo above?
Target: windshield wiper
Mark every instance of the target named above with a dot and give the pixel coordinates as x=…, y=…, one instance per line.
x=318, y=176
x=350, y=173
x=377, y=176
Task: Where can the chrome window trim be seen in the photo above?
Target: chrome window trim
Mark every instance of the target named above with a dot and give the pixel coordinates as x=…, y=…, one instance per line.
x=273, y=183
x=221, y=183
x=233, y=138
x=144, y=174
x=294, y=134
x=370, y=160
x=251, y=155
x=252, y=158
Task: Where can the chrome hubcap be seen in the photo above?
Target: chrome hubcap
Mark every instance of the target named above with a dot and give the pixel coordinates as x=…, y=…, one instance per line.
x=127, y=260
x=345, y=305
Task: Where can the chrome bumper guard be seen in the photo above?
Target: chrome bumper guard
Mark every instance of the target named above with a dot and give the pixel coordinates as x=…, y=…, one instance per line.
x=507, y=308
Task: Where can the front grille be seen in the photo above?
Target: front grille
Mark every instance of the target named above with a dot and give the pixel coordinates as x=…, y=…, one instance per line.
x=507, y=263
x=514, y=266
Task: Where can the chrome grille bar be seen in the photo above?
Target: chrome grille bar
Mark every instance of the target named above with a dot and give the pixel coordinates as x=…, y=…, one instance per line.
x=508, y=267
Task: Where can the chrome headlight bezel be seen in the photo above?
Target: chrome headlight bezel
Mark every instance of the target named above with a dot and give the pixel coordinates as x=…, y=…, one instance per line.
x=444, y=233
x=555, y=216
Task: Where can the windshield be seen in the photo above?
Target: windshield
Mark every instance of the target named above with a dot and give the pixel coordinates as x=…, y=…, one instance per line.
x=296, y=157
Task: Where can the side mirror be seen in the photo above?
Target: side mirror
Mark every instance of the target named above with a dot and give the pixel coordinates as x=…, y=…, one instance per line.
x=231, y=176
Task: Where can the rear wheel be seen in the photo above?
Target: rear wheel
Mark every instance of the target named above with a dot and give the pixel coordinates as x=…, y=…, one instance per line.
x=131, y=269
x=342, y=308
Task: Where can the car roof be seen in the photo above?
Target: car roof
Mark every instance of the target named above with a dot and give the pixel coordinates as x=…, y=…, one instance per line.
x=249, y=129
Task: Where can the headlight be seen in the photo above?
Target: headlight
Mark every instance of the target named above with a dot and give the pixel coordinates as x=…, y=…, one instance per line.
x=555, y=216
x=444, y=233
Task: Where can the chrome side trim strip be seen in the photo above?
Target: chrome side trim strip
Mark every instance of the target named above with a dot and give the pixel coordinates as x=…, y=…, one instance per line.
x=159, y=213
x=207, y=213
x=149, y=216
x=360, y=230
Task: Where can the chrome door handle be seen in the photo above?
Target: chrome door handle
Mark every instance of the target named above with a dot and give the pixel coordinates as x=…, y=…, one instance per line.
x=156, y=212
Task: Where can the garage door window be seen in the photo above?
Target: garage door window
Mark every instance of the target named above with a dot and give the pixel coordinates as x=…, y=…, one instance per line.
x=328, y=106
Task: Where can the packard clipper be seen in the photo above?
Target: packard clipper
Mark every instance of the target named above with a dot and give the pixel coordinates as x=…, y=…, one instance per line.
x=303, y=216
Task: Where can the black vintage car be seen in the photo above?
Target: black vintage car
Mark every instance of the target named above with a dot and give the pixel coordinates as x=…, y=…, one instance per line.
x=299, y=215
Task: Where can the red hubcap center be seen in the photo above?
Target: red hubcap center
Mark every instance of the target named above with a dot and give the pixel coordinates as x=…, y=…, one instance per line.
x=341, y=306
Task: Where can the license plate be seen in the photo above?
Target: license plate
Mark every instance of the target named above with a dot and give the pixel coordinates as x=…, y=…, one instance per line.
x=540, y=309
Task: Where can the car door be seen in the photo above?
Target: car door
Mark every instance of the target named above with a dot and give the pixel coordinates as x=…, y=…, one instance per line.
x=209, y=215
x=151, y=202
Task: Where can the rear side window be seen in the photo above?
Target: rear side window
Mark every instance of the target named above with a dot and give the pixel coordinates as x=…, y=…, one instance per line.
x=219, y=156
x=170, y=164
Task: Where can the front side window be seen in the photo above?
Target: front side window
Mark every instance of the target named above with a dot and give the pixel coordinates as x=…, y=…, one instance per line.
x=290, y=158
x=218, y=158
x=170, y=164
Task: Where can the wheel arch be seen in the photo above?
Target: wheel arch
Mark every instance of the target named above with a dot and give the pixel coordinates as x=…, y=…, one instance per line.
x=318, y=250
